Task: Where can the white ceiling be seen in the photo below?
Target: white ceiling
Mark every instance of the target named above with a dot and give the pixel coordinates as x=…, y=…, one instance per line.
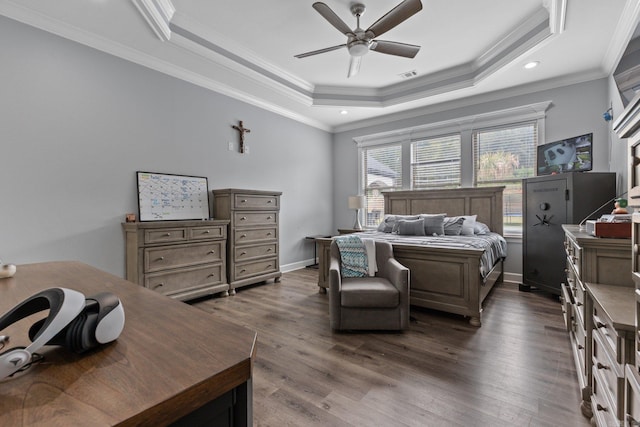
x=246, y=48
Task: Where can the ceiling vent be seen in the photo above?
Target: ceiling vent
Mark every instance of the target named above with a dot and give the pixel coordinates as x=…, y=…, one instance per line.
x=408, y=74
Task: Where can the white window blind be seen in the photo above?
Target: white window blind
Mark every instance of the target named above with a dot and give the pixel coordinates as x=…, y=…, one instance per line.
x=504, y=156
x=382, y=171
x=435, y=162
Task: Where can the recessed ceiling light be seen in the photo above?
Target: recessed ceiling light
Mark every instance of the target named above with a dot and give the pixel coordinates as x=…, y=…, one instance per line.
x=532, y=64
x=343, y=112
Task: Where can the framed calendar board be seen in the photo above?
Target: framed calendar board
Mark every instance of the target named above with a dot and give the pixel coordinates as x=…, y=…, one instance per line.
x=168, y=197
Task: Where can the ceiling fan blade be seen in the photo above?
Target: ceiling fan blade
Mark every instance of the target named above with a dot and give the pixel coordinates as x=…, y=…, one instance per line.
x=395, y=48
x=395, y=16
x=354, y=65
x=333, y=19
x=315, y=52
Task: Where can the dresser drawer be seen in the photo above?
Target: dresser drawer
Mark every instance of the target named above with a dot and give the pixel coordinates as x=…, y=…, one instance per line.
x=166, y=257
x=186, y=279
x=255, y=235
x=165, y=235
x=567, y=306
x=574, y=257
x=581, y=345
x=603, y=411
x=632, y=396
x=608, y=370
x=246, y=253
x=602, y=324
x=254, y=201
x=248, y=219
x=211, y=232
x=255, y=268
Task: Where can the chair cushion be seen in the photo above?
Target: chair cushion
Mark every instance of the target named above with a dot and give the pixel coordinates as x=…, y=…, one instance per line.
x=369, y=292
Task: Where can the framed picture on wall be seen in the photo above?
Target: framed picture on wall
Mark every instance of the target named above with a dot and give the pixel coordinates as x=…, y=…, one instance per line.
x=169, y=197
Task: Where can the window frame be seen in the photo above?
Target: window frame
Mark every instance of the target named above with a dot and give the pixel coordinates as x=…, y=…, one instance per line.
x=465, y=126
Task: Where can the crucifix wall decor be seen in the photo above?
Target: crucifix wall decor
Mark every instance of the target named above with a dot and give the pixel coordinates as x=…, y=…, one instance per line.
x=240, y=128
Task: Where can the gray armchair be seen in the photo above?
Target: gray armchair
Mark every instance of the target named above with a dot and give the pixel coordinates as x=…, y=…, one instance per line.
x=380, y=302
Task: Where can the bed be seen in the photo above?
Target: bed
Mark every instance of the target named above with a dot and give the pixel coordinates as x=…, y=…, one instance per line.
x=448, y=279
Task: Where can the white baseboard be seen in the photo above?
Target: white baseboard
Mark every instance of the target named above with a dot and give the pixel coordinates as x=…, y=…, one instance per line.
x=296, y=265
x=512, y=278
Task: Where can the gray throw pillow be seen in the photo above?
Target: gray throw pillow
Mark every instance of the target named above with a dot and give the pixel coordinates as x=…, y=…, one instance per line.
x=433, y=224
x=411, y=227
x=481, y=228
x=453, y=226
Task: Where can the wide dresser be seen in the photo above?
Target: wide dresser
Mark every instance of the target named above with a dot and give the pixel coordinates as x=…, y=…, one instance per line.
x=181, y=259
x=598, y=284
x=253, y=253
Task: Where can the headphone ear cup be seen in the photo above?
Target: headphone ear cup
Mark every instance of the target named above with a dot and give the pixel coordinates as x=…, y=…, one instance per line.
x=80, y=336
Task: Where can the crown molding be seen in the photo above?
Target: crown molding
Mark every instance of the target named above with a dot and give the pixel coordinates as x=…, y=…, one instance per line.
x=158, y=14
x=557, y=14
x=440, y=107
x=629, y=20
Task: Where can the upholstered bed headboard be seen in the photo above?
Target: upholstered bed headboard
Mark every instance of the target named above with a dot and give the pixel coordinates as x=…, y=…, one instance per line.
x=486, y=202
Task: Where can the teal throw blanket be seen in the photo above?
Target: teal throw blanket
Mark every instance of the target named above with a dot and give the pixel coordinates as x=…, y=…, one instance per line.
x=354, y=256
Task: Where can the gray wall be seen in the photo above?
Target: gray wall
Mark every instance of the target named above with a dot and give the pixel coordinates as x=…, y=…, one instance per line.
x=75, y=125
x=575, y=110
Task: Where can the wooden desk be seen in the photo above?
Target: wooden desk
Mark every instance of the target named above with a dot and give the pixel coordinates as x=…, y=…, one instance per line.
x=170, y=360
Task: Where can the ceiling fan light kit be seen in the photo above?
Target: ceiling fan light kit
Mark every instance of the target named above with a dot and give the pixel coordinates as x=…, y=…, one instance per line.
x=360, y=42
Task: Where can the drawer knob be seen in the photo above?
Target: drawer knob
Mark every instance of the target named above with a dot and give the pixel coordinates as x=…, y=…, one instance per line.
x=244, y=218
x=211, y=275
x=599, y=407
x=243, y=235
x=243, y=253
x=269, y=249
x=269, y=233
x=167, y=234
x=269, y=217
x=580, y=347
x=269, y=201
x=160, y=259
x=207, y=231
x=578, y=303
x=243, y=201
x=601, y=366
x=159, y=285
x=212, y=251
x=243, y=270
x=600, y=325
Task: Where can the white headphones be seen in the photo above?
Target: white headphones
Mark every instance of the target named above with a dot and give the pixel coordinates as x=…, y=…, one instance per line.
x=74, y=321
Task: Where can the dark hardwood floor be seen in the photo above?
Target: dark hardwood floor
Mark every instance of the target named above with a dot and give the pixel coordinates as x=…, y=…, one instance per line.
x=516, y=370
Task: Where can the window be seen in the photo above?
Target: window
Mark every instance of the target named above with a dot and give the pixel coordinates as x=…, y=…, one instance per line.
x=503, y=156
x=435, y=162
x=383, y=171
x=496, y=148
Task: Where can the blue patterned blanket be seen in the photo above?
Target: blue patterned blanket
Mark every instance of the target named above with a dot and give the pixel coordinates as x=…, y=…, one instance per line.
x=354, y=256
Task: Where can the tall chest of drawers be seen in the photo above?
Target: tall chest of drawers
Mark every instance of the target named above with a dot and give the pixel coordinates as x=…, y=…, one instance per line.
x=180, y=259
x=253, y=254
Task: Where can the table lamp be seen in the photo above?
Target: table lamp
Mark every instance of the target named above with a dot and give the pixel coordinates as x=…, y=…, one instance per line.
x=357, y=203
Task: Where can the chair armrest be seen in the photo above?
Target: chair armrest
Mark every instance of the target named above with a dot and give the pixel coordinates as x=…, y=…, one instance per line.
x=397, y=274
x=335, y=281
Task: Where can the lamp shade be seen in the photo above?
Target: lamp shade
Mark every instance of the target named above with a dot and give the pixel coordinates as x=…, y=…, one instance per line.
x=356, y=202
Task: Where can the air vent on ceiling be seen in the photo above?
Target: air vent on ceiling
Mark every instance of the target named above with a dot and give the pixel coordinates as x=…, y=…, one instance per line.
x=408, y=74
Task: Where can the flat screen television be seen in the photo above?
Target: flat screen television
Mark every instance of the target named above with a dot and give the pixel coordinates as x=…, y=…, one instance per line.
x=567, y=155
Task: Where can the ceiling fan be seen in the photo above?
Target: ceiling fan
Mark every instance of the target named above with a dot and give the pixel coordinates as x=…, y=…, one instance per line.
x=360, y=41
